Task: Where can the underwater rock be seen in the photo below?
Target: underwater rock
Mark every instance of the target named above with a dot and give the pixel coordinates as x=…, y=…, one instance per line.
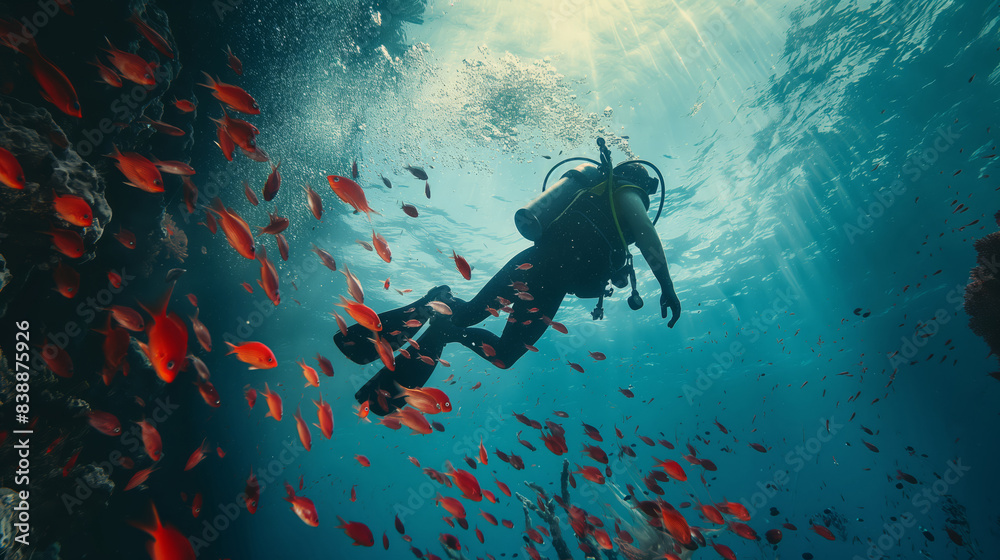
x=982, y=295
x=50, y=165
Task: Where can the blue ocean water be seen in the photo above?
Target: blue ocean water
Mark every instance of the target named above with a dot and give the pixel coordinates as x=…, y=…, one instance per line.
x=828, y=167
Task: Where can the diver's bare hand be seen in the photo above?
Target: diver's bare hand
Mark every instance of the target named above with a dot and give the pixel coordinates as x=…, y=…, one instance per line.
x=669, y=301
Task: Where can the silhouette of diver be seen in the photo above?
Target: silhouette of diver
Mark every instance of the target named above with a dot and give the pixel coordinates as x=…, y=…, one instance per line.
x=581, y=231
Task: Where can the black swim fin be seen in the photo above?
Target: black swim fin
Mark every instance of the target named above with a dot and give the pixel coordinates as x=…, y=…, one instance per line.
x=355, y=344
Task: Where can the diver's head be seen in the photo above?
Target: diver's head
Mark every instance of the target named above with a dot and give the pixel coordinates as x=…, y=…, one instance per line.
x=636, y=174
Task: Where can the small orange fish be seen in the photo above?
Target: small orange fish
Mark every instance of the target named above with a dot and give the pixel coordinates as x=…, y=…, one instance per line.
x=132, y=67
x=303, y=430
x=381, y=247
x=312, y=379
x=302, y=506
x=233, y=96
x=363, y=314
x=184, y=105
x=140, y=171
x=125, y=237
x=236, y=229
x=225, y=142
x=197, y=456
x=324, y=415
x=168, y=338
x=105, y=422
x=257, y=354
x=273, y=403
x=362, y=411
x=351, y=193
x=160, y=126
x=11, y=173
x=358, y=532
x=168, y=543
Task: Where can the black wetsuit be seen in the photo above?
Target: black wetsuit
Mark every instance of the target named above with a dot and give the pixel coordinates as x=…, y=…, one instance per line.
x=576, y=254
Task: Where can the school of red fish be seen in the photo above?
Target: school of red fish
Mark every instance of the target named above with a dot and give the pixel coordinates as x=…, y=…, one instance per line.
x=163, y=336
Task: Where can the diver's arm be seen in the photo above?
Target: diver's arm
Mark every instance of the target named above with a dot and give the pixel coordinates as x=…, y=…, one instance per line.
x=632, y=214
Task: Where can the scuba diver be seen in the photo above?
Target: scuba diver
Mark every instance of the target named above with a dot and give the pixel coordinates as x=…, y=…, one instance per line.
x=581, y=227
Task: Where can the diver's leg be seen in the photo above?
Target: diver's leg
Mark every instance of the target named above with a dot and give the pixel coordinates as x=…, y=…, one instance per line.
x=355, y=344
x=523, y=327
x=474, y=311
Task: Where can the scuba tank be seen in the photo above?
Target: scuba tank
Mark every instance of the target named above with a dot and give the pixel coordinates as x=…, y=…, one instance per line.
x=534, y=218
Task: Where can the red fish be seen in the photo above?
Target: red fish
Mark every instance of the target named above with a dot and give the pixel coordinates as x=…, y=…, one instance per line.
x=361, y=313
x=57, y=359
x=132, y=67
x=115, y=346
x=251, y=395
x=67, y=280
x=303, y=430
x=189, y=194
x=184, y=105
x=273, y=403
x=324, y=365
x=268, y=277
x=282, y=246
x=351, y=193
x=67, y=242
x=104, y=422
x=140, y=477
x=107, y=75
x=451, y=505
x=823, y=532
x=232, y=96
x=273, y=183
x=168, y=338
x=168, y=543
x=252, y=492
x=257, y=354
x=381, y=247
x=168, y=129
x=152, y=36
x=233, y=62
x=248, y=192
x=236, y=229
x=140, y=171
x=127, y=317
x=462, y=265
x=208, y=393
x=71, y=208
x=11, y=173
x=196, y=505
x=225, y=141
x=151, y=440
x=324, y=414
x=275, y=225
x=56, y=87
x=68, y=467
x=384, y=352
x=314, y=202
x=201, y=332
x=359, y=532
x=312, y=379
x=125, y=237
x=197, y=456
x=302, y=506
